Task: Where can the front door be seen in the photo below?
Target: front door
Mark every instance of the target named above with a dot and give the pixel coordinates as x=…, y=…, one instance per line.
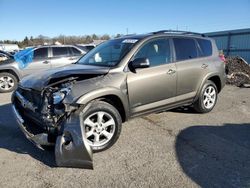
x=39, y=63
x=153, y=87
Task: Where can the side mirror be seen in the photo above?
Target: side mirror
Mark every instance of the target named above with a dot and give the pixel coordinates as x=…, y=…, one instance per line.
x=140, y=63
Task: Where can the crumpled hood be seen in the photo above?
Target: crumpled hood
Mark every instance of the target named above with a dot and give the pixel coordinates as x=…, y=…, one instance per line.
x=40, y=80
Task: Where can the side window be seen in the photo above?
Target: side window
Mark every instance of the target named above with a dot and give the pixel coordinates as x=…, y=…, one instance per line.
x=185, y=48
x=75, y=51
x=205, y=47
x=60, y=51
x=90, y=47
x=156, y=51
x=41, y=53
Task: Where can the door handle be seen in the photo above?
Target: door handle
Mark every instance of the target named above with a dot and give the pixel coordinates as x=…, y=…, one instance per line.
x=171, y=71
x=204, y=66
x=46, y=62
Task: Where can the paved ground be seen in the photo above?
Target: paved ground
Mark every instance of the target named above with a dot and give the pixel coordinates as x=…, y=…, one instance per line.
x=170, y=149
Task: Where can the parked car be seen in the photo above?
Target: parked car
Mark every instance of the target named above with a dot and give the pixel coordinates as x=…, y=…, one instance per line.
x=82, y=106
x=44, y=57
x=9, y=47
x=5, y=55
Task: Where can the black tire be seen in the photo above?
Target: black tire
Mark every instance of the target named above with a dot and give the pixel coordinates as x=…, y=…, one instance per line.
x=199, y=105
x=13, y=80
x=101, y=106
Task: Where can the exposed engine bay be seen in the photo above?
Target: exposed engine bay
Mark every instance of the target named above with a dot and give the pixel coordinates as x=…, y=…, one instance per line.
x=46, y=109
x=47, y=121
x=49, y=109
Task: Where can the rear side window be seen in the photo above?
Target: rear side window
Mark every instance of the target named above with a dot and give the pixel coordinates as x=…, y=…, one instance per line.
x=205, y=47
x=83, y=48
x=75, y=51
x=89, y=47
x=60, y=51
x=185, y=49
x=41, y=53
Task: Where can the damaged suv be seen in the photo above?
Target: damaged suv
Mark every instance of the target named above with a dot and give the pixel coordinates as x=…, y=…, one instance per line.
x=81, y=107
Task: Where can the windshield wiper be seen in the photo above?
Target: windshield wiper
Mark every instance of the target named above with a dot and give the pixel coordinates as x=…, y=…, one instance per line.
x=105, y=63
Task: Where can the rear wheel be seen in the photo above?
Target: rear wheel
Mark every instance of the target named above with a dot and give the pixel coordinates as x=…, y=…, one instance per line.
x=8, y=82
x=207, y=98
x=102, y=125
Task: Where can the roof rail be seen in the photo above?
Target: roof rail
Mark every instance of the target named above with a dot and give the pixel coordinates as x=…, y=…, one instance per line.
x=179, y=32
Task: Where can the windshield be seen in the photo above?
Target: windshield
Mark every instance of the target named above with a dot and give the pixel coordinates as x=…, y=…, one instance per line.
x=109, y=53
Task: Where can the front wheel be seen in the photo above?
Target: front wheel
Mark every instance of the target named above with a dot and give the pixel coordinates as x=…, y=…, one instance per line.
x=207, y=98
x=101, y=124
x=8, y=82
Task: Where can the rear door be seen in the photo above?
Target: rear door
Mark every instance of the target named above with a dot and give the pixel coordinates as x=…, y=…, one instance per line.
x=40, y=61
x=61, y=56
x=190, y=67
x=75, y=54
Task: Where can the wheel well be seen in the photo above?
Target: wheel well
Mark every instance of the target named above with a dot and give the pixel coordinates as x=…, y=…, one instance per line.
x=11, y=72
x=117, y=103
x=217, y=82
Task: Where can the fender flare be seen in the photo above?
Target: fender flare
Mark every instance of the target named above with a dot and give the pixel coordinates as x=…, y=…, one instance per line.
x=207, y=77
x=100, y=93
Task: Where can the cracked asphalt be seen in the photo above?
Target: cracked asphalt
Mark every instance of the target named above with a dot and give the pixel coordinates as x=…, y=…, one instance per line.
x=178, y=148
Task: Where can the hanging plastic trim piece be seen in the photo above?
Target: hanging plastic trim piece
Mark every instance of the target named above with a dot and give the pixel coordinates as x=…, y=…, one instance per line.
x=71, y=149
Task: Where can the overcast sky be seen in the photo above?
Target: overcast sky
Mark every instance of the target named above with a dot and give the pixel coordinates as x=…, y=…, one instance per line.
x=20, y=18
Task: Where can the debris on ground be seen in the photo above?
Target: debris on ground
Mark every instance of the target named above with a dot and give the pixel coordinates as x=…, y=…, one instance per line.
x=238, y=72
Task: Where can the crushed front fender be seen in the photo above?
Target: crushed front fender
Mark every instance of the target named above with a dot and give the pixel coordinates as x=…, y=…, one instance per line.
x=71, y=149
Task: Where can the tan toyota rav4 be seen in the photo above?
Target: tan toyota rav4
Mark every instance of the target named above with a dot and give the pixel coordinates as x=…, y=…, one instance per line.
x=81, y=107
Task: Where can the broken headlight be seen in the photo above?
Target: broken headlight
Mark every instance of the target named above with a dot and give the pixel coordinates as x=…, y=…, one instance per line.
x=60, y=95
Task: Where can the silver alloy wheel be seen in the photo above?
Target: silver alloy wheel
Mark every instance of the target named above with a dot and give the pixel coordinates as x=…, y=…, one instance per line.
x=99, y=128
x=209, y=97
x=6, y=83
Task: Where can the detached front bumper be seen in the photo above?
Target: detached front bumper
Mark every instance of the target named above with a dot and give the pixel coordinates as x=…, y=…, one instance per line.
x=39, y=139
x=71, y=149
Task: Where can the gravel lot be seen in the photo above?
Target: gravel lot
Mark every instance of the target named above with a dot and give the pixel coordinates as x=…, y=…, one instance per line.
x=170, y=149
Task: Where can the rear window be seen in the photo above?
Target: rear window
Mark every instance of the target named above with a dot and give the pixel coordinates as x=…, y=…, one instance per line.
x=41, y=53
x=60, y=51
x=185, y=49
x=205, y=47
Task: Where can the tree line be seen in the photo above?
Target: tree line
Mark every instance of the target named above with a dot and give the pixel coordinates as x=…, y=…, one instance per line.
x=41, y=40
